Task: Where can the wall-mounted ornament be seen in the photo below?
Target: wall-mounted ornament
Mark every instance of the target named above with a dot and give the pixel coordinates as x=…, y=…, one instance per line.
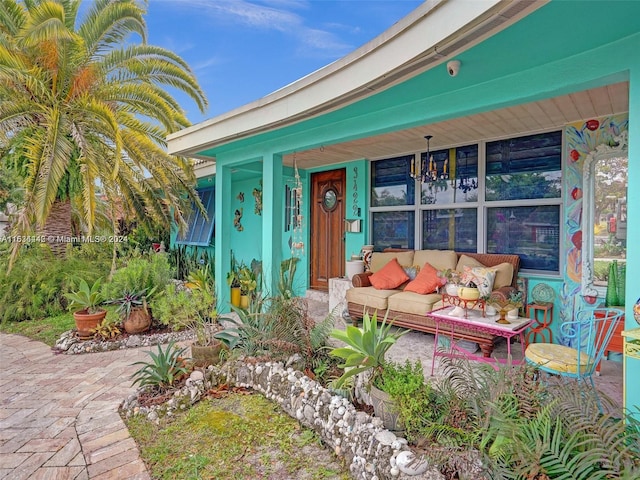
x=237, y=219
x=356, y=209
x=240, y=197
x=257, y=194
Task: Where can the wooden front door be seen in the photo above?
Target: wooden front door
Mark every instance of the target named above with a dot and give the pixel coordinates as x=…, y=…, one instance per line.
x=327, y=227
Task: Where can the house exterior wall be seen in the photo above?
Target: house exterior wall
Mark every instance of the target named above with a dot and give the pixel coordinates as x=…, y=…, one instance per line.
x=543, y=56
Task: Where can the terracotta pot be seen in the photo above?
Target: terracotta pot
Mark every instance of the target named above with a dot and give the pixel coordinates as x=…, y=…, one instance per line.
x=139, y=321
x=205, y=355
x=85, y=322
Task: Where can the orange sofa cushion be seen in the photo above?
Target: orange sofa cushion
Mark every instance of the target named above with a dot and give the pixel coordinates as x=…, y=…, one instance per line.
x=427, y=281
x=390, y=276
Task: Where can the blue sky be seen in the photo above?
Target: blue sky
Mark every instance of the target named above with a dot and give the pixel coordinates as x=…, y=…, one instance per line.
x=242, y=50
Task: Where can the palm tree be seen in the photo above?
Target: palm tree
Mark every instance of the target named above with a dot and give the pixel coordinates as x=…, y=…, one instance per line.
x=84, y=108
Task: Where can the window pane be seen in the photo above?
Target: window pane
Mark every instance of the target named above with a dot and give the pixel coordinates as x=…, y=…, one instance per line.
x=462, y=182
x=525, y=167
x=450, y=229
x=393, y=229
x=391, y=183
x=199, y=229
x=531, y=232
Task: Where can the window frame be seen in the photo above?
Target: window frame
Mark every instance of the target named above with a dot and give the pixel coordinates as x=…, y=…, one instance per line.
x=481, y=205
x=196, y=216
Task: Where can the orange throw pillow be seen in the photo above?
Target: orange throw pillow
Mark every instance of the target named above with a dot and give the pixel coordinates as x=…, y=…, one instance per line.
x=427, y=281
x=389, y=277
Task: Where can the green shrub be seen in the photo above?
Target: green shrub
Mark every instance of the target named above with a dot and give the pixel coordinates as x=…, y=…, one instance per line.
x=165, y=368
x=142, y=273
x=181, y=309
x=36, y=286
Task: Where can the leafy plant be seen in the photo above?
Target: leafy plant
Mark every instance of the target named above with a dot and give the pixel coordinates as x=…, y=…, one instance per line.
x=418, y=402
x=201, y=278
x=131, y=300
x=37, y=285
x=287, y=274
x=366, y=348
x=149, y=274
x=233, y=275
x=85, y=297
x=107, y=329
x=163, y=370
x=247, y=280
x=180, y=309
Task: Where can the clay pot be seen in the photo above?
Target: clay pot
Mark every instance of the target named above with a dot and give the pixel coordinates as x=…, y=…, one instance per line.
x=138, y=321
x=205, y=355
x=85, y=322
x=386, y=409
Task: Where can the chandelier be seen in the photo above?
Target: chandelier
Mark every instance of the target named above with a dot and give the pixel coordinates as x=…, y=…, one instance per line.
x=428, y=168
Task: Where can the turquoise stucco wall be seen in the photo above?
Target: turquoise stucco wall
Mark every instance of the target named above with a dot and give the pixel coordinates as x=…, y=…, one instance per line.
x=598, y=47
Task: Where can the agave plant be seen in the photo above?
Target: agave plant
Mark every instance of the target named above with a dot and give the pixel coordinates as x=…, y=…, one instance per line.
x=366, y=347
x=86, y=298
x=164, y=369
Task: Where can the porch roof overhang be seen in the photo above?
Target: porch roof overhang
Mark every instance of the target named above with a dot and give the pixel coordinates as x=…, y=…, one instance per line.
x=395, y=77
x=430, y=35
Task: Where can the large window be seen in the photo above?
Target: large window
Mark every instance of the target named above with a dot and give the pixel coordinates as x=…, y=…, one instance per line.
x=199, y=228
x=496, y=197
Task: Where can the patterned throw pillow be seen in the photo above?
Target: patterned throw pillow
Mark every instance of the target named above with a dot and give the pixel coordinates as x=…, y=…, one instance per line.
x=389, y=277
x=411, y=272
x=483, y=277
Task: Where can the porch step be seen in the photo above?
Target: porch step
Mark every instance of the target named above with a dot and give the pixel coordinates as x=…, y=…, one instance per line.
x=318, y=296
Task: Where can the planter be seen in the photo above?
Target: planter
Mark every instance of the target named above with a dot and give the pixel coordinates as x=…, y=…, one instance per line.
x=205, y=355
x=235, y=296
x=138, y=321
x=354, y=267
x=468, y=293
x=85, y=322
x=244, y=302
x=386, y=409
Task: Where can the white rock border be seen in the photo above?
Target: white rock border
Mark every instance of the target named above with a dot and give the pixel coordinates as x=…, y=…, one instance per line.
x=371, y=451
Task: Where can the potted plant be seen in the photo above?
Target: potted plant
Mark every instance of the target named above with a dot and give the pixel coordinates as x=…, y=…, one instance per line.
x=233, y=280
x=86, y=302
x=248, y=284
x=508, y=306
x=134, y=311
x=365, y=353
x=451, y=280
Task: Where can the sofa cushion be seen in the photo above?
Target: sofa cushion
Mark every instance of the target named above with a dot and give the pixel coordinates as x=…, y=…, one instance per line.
x=466, y=261
x=370, y=297
x=440, y=259
x=415, y=303
x=504, y=275
x=380, y=259
x=390, y=276
x=427, y=281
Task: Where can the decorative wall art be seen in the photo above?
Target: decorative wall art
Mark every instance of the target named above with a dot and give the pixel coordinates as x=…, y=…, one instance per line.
x=356, y=209
x=257, y=194
x=240, y=197
x=237, y=219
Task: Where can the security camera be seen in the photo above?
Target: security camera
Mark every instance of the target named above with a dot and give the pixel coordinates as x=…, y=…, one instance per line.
x=453, y=67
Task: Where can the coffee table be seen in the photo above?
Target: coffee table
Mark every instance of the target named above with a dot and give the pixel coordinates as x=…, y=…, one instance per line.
x=475, y=320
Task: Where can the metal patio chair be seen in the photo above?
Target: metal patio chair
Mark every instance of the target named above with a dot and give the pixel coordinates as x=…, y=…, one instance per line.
x=587, y=337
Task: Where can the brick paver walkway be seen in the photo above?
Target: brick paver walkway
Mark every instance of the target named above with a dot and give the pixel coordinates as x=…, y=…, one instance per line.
x=58, y=413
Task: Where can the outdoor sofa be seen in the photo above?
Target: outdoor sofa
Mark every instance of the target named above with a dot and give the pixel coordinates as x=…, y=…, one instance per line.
x=408, y=308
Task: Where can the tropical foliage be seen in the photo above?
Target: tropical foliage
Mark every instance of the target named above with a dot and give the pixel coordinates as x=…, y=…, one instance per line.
x=85, y=114
x=164, y=369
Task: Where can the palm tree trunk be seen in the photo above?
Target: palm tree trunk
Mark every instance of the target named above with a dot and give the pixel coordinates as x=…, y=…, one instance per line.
x=57, y=229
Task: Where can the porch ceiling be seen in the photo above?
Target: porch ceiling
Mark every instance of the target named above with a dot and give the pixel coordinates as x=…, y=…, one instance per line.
x=522, y=119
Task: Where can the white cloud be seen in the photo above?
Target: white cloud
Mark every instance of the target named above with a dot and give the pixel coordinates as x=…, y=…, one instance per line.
x=278, y=15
